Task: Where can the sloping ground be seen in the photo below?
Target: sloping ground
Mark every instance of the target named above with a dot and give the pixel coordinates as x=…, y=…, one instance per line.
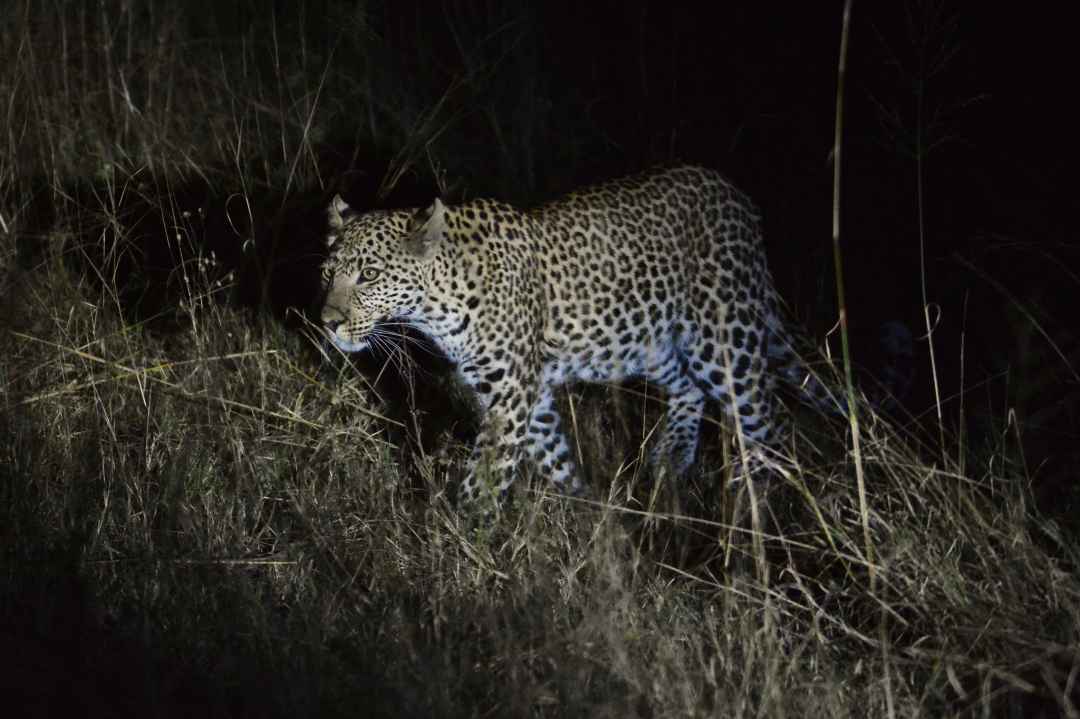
x=198, y=518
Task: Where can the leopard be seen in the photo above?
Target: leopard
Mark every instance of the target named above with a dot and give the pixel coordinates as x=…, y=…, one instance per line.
x=660, y=276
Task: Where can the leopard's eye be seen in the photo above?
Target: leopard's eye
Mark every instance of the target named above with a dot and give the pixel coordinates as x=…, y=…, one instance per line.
x=367, y=274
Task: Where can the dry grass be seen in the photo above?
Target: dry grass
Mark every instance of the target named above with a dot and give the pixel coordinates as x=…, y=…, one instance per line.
x=195, y=512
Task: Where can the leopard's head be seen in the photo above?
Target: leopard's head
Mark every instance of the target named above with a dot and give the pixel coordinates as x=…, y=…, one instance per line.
x=377, y=271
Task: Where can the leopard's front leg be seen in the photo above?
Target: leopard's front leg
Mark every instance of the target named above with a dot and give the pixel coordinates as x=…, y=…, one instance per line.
x=506, y=398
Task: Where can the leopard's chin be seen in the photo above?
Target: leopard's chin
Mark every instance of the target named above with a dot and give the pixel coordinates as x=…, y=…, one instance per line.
x=346, y=345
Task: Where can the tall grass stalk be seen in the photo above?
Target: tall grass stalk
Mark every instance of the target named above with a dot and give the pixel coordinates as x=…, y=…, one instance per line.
x=853, y=417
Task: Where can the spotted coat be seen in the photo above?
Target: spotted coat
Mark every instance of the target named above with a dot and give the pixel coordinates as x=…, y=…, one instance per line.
x=661, y=276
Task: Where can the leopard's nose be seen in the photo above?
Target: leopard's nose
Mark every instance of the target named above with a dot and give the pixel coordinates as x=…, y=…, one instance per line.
x=332, y=325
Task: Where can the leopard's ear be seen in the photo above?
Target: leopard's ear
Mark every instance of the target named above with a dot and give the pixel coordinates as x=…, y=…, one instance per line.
x=426, y=231
x=335, y=216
